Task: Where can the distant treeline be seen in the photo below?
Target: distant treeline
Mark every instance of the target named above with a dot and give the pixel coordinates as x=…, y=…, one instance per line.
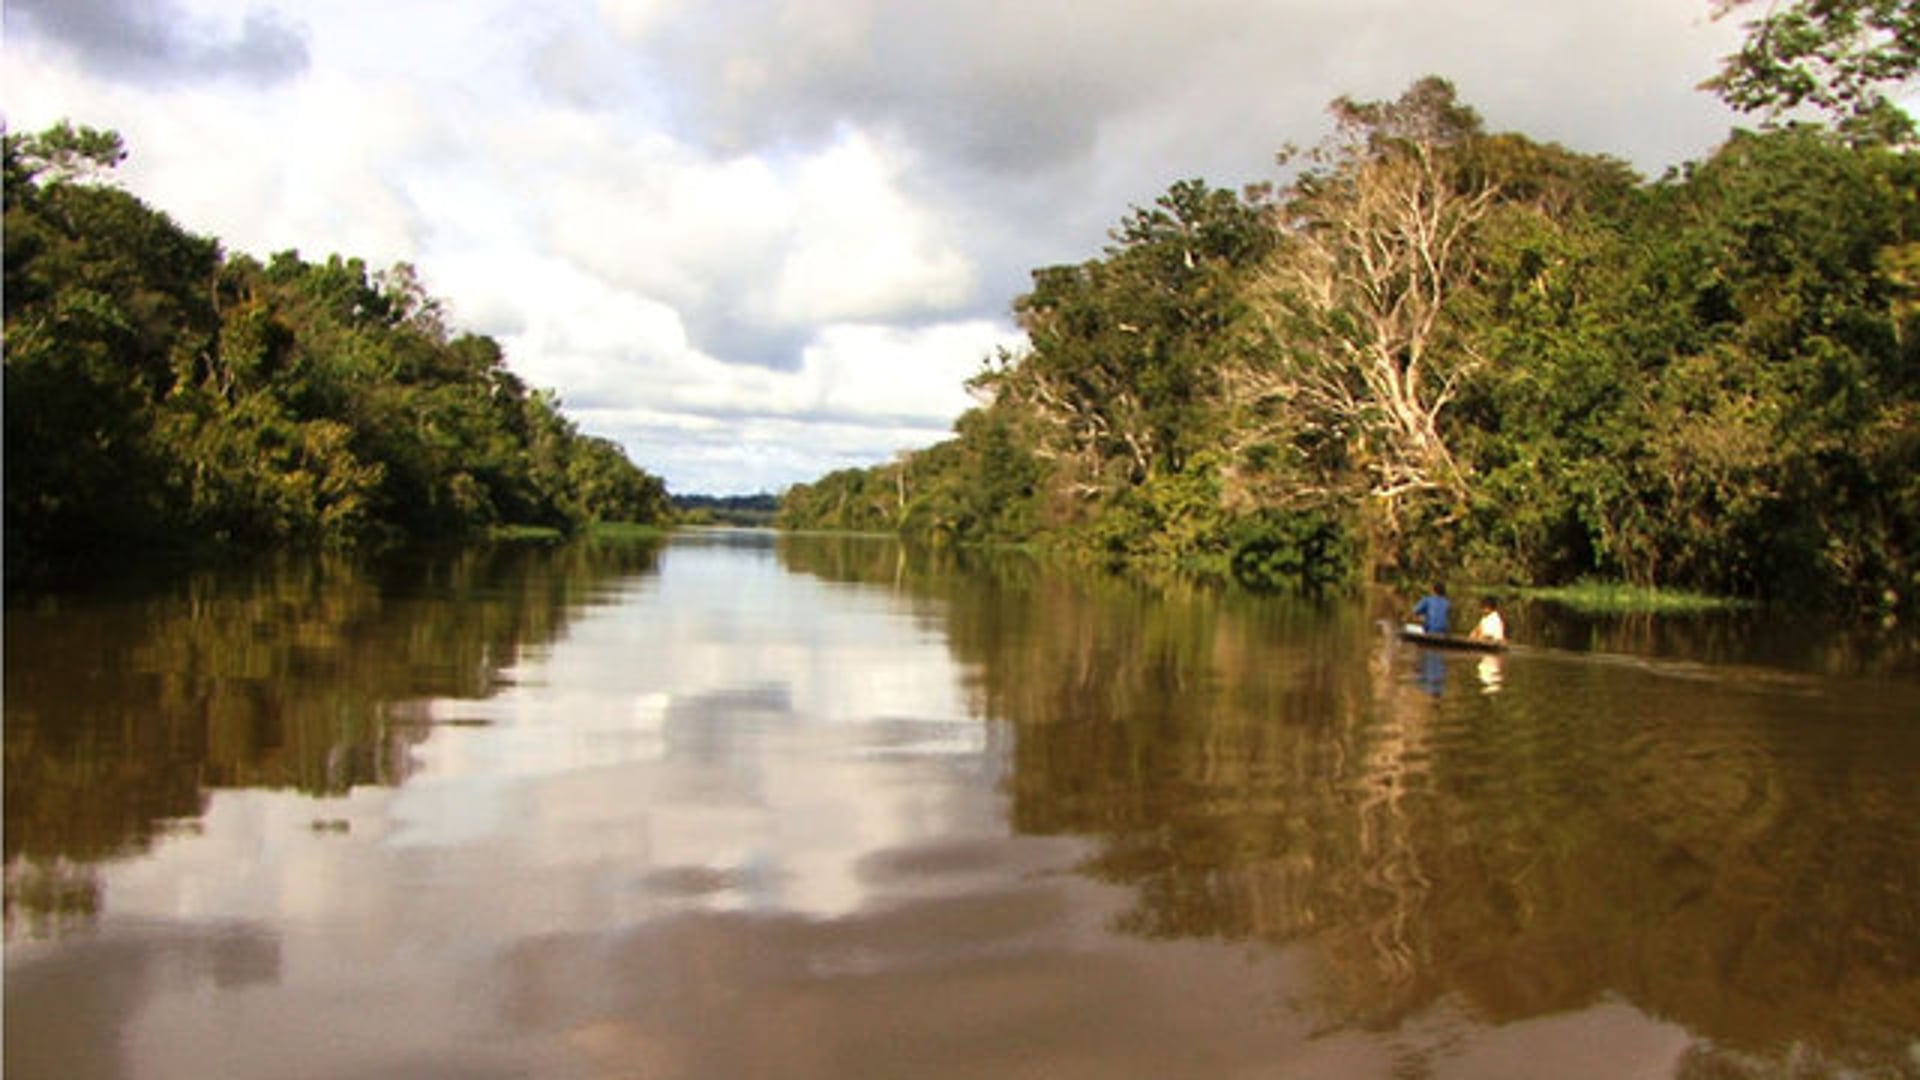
x=164, y=394
x=751, y=510
x=1439, y=349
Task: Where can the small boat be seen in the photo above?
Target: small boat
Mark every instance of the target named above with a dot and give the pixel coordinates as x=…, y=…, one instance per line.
x=1449, y=641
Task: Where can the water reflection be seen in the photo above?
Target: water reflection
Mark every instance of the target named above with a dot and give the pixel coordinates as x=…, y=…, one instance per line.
x=1737, y=849
x=757, y=805
x=125, y=709
x=1491, y=671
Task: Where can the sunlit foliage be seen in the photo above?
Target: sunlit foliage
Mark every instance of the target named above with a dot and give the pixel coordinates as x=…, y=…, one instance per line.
x=1441, y=350
x=162, y=393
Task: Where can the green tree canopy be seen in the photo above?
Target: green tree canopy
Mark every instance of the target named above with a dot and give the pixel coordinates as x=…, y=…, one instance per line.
x=1440, y=349
x=163, y=394
x=1843, y=57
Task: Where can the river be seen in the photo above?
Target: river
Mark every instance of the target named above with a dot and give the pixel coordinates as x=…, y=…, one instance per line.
x=746, y=805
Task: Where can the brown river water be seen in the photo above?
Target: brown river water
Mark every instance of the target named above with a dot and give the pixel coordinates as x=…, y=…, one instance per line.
x=739, y=805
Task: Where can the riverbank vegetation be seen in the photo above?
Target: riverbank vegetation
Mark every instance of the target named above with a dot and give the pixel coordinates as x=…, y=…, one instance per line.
x=164, y=394
x=745, y=511
x=1440, y=349
x=1605, y=598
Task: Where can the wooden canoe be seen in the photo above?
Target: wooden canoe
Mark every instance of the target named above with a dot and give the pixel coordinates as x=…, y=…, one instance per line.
x=1449, y=641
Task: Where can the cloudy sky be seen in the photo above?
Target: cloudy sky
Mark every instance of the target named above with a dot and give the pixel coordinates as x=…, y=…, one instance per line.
x=756, y=240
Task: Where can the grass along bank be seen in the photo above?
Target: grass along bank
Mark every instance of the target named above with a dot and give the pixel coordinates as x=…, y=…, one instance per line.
x=599, y=530
x=1612, y=598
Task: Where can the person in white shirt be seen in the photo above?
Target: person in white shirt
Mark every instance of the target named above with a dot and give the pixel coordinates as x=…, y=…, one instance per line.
x=1491, y=626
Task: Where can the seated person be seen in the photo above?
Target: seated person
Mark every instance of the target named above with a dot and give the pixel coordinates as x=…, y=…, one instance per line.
x=1432, y=611
x=1491, y=626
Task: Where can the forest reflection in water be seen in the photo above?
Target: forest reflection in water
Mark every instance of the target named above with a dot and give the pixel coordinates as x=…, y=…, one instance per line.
x=1731, y=846
x=126, y=707
x=1691, y=832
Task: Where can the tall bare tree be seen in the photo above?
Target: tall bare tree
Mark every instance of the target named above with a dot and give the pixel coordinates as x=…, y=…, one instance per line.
x=1358, y=358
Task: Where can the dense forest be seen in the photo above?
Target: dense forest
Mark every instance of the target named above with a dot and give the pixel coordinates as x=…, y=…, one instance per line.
x=1439, y=349
x=163, y=394
x=752, y=511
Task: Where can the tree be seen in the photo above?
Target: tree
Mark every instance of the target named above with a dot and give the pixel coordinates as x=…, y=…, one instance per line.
x=160, y=394
x=1125, y=349
x=847, y=500
x=1707, y=382
x=1361, y=351
x=102, y=297
x=608, y=487
x=1839, y=56
x=1774, y=466
x=63, y=153
x=1565, y=330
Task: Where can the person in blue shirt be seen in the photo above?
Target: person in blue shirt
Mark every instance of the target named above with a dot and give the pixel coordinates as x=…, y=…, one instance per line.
x=1433, y=609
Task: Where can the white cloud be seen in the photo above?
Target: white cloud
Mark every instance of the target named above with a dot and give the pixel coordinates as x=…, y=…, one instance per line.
x=601, y=346
x=861, y=395
x=215, y=163
x=627, y=370
x=754, y=242
x=784, y=230
x=908, y=373
x=860, y=249
x=654, y=216
x=636, y=20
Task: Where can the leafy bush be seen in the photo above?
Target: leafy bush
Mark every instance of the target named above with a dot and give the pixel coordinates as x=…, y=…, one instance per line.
x=1280, y=551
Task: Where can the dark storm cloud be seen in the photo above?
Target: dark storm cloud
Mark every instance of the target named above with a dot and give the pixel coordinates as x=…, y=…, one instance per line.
x=155, y=42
